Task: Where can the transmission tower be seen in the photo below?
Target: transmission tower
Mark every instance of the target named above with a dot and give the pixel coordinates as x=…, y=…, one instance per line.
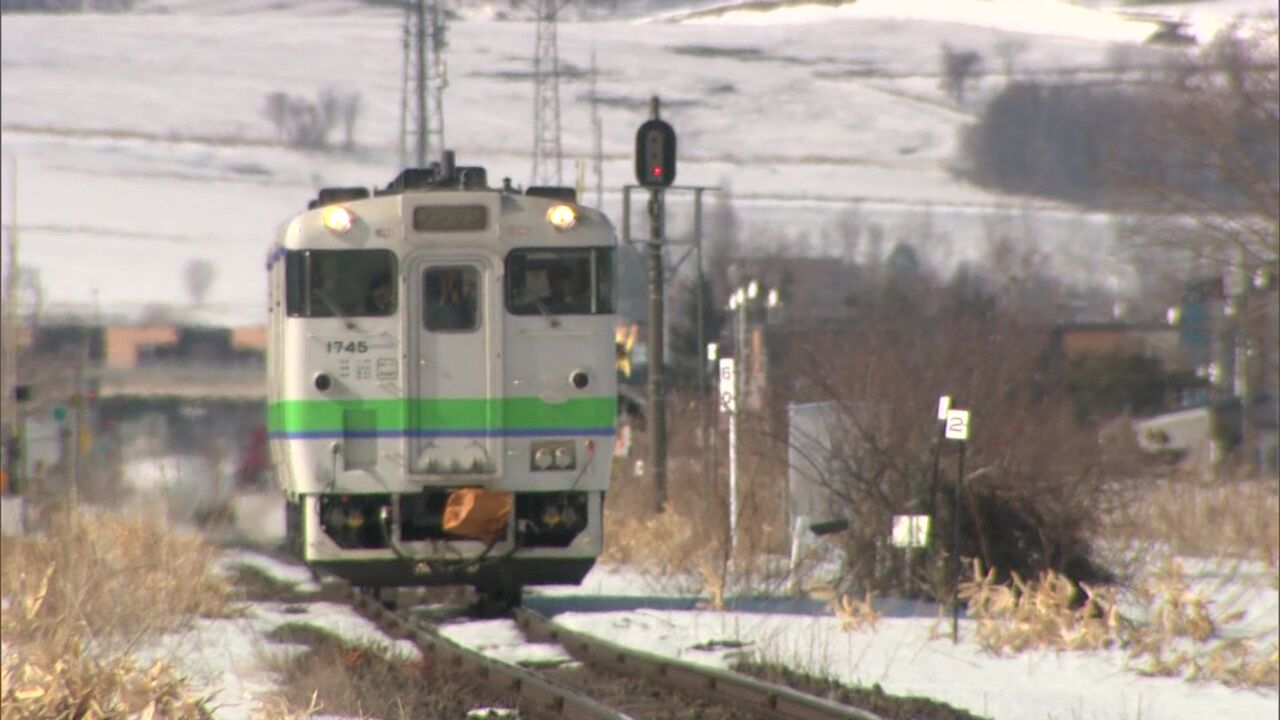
x=425, y=78
x=597, y=132
x=546, y=97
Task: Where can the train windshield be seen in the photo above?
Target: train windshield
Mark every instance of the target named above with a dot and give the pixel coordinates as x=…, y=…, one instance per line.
x=568, y=281
x=341, y=283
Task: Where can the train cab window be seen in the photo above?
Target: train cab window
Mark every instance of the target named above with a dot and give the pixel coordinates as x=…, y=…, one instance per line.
x=576, y=281
x=452, y=303
x=340, y=283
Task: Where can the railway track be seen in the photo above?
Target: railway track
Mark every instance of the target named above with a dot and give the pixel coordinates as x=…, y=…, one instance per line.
x=614, y=682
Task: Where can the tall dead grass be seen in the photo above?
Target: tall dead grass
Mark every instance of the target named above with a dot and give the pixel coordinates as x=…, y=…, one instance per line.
x=690, y=538
x=80, y=595
x=1233, y=518
x=1170, y=629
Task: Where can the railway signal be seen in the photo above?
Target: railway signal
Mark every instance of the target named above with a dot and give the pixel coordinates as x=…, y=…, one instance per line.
x=655, y=154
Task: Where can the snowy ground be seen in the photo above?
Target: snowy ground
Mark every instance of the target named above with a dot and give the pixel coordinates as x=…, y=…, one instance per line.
x=909, y=652
x=141, y=144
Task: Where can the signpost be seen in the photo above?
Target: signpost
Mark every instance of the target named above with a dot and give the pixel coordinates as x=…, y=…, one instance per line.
x=956, y=427
x=729, y=405
x=910, y=531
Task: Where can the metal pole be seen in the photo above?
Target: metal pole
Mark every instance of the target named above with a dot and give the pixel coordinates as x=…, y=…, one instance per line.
x=657, y=393
x=77, y=415
x=955, y=553
x=702, y=341
x=12, y=416
x=733, y=475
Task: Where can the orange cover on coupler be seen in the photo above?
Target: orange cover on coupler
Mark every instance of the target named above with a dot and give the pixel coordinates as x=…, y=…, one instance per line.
x=477, y=513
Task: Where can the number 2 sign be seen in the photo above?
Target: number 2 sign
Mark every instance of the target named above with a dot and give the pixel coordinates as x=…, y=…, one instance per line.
x=957, y=425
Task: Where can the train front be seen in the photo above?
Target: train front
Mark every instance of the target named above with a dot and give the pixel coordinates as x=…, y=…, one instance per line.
x=442, y=383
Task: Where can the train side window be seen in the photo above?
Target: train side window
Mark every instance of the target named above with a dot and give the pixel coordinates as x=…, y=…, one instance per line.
x=569, y=281
x=451, y=302
x=340, y=283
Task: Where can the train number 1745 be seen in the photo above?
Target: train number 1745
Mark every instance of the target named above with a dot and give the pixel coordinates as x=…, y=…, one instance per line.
x=334, y=347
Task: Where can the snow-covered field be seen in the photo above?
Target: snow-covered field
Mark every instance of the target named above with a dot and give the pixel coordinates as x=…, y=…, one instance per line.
x=140, y=141
x=909, y=653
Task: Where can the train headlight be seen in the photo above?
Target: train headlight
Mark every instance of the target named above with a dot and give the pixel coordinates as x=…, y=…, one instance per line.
x=564, y=456
x=562, y=217
x=337, y=218
x=551, y=516
x=542, y=458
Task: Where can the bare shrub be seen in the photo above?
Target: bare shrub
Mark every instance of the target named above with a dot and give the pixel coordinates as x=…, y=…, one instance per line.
x=306, y=124
x=1037, y=483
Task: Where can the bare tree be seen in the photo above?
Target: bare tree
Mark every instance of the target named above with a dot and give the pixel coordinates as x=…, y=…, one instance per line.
x=199, y=275
x=1214, y=196
x=350, y=114
x=1009, y=50
x=959, y=67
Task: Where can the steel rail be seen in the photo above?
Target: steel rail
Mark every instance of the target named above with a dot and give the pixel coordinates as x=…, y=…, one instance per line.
x=536, y=694
x=757, y=696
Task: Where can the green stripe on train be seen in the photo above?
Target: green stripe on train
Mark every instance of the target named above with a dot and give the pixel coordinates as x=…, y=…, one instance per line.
x=523, y=413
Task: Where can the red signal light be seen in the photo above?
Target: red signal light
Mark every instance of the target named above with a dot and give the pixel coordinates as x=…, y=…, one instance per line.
x=656, y=171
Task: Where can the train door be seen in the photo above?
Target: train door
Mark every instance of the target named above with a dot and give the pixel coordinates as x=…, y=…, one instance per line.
x=453, y=411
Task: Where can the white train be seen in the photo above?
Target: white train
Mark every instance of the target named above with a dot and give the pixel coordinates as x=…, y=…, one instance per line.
x=442, y=384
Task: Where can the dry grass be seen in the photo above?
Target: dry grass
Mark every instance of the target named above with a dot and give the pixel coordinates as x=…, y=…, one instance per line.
x=1024, y=615
x=365, y=680
x=1208, y=518
x=1173, y=631
x=80, y=596
x=689, y=539
x=855, y=615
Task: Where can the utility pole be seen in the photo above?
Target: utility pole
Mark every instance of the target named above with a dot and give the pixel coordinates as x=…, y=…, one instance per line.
x=11, y=420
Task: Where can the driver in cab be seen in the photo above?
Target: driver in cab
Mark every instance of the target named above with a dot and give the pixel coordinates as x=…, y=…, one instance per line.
x=563, y=296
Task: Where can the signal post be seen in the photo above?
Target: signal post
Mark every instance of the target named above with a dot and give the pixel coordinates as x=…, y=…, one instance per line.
x=656, y=170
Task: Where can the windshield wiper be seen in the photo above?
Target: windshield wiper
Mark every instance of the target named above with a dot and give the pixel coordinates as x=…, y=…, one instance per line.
x=333, y=308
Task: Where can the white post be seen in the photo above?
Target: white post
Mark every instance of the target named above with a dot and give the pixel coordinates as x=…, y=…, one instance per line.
x=729, y=404
x=733, y=482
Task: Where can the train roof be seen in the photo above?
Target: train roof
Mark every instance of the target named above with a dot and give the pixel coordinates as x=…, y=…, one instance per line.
x=445, y=175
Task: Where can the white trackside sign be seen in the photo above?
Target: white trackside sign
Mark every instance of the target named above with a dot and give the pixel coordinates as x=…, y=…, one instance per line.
x=728, y=388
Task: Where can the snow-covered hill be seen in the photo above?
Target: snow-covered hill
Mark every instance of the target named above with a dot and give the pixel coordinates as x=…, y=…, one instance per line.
x=141, y=140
